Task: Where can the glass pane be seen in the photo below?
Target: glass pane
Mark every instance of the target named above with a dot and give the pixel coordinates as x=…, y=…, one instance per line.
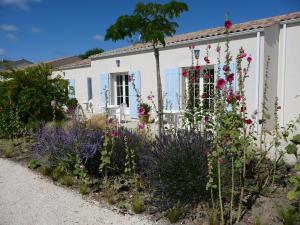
x=126, y=79
x=127, y=101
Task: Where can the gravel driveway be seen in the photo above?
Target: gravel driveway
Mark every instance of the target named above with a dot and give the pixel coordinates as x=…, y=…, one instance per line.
x=27, y=198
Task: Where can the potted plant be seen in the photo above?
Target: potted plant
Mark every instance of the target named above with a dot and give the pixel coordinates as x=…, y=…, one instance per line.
x=144, y=110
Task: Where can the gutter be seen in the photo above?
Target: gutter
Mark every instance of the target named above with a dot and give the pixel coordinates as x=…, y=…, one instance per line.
x=179, y=43
x=283, y=64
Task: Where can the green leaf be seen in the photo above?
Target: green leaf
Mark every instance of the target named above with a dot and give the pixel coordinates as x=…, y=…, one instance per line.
x=296, y=139
x=297, y=166
x=291, y=149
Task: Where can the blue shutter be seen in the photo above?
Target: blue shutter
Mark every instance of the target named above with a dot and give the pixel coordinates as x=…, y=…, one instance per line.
x=172, y=84
x=71, y=88
x=103, y=88
x=133, y=99
x=233, y=70
x=90, y=88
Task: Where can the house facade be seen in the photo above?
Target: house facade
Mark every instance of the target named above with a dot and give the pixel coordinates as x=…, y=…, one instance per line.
x=276, y=38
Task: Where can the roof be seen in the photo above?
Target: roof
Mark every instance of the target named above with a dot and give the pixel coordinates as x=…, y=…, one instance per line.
x=19, y=64
x=57, y=63
x=77, y=64
x=198, y=35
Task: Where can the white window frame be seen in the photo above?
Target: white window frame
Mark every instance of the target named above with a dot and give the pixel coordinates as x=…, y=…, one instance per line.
x=115, y=87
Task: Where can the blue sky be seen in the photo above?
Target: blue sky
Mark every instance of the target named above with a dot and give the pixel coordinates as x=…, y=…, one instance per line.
x=45, y=29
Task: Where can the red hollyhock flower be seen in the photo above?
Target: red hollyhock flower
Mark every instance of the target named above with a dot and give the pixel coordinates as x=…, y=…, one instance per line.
x=248, y=121
x=238, y=98
x=230, y=78
x=220, y=83
x=204, y=95
x=249, y=59
x=243, y=109
x=218, y=49
x=225, y=68
x=193, y=79
x=115, y=133
x=206, y=76
x=243, y=55
x=220, y=161
x=129, y=78
x=209, y=46
x=196, y=67
x=184, y=73
x=227, y=24
x=206, y=60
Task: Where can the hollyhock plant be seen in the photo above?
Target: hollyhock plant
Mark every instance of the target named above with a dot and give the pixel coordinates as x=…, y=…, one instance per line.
x=150, y=97
x=228, y=24
x=243, y=55
x=218, y=49
x=226, y=68
x=248, y=121
x=206, y=76
x=249, y=59
x=196, y=68
x=130, y=78
x=141, y=110
x=206, y=60
x=230, y=78
x=184, y=73
x=220, y=83
x=141, y=126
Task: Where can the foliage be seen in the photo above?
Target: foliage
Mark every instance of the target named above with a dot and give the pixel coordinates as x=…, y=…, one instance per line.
x=289, y=216
x=28, y=94
x=176, y=166
x=174, y=214
x=8, y=152
x=66, y=180
x=91, y=52
x=33, y=164
x=84, y=189
x=151, y=22
x=137, y=204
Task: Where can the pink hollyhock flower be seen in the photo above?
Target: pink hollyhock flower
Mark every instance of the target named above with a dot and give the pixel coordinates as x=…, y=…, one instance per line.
x=220, y=83
x=243, y=55
x=184, y=73
x=230, y=78
x=196, y=67
x=141, y=126
x=218, y=49
x=226, y=68
x=141, y=110
x=129, y=78
x=115, y=133
x=206, y=119
x=248, y=121
x=249, y=59
x=206, y=76
x=227, y=24
x=149, y=97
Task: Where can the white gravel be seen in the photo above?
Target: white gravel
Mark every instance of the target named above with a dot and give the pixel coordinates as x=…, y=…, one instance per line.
x=27, y=198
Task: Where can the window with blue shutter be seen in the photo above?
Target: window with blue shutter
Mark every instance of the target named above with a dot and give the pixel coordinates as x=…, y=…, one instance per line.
x=90, y=88
x=103, y=88
x=133, y=99
x=172, y=88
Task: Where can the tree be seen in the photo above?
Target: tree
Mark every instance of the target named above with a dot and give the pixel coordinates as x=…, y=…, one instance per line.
x=152, y=22
x=90, y=52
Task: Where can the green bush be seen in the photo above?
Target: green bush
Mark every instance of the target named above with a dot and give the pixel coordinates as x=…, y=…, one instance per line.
x=137, y=204
x=174, y=214
x=66, y=180
x=28, y=94
x=84, y=189
x=8, y=152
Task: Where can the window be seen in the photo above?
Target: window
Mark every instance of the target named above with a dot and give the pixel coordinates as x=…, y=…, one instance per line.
x=199, y=86
x=90, y=88
x=122, y=94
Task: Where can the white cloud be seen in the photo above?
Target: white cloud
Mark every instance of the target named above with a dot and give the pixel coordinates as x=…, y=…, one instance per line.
x=21, y=4
x=2, y=51
x=8, y=27
x=98, y=37
x=35, y=30
x=11, y=37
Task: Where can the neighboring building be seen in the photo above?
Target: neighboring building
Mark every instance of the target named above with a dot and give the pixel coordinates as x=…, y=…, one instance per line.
x=277, y=37
x=60, y=62
x=19, y=64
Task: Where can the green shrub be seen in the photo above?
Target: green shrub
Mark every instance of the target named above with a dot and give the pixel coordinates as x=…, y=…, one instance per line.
x=66, y=180
x=289, y=216
x=137, y=204
x=84, y=189
x=8, y=152
x=33, y=164
x=174, y=214
x=45, y=170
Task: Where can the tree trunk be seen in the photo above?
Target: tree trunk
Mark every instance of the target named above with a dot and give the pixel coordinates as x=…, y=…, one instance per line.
x=159, y=91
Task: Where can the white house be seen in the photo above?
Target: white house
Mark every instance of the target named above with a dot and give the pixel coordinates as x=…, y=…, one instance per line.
x=277, y=37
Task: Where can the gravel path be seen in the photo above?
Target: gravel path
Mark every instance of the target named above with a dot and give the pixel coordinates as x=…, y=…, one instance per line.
x=27, y=198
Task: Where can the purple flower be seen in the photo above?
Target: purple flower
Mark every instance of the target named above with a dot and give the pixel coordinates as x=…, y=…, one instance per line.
x=141, y=126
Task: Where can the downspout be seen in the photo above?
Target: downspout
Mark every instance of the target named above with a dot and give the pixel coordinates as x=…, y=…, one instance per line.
x=283, y=75
x=257, y=74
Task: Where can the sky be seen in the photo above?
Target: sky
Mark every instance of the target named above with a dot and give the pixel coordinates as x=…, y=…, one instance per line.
x=40, y=30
